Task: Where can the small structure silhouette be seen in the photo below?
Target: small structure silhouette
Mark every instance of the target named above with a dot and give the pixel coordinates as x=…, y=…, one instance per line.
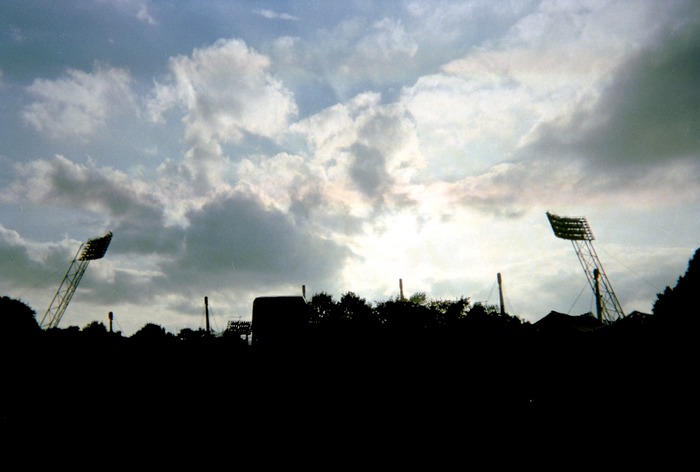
x=279, y=320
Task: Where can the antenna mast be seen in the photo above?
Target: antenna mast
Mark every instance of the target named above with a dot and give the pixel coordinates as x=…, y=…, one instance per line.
x=91, y=250
x=579, y=233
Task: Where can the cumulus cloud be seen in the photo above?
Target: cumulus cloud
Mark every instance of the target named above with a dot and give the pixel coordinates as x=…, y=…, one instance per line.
x=384, y=49
x=304, y=189
x=368, y=152
x=465, y=126
x=511, y=190
x=648, y=114
x=236, y=241
x=225, y=93
x=61, y=181
x=568, y=102
x=26, y=260
x=225, y=90
x=475, y=112
x=353, y=56
x=230, y=239
x=79, y=103
x=387, y=38
x=136, y=210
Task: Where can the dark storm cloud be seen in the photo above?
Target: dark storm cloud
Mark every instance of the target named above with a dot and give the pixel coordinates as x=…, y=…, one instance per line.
x=237, y=241
x=649, y=113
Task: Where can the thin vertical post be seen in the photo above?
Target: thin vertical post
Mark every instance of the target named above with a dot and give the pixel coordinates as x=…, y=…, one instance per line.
x=500, y=294
x=206, y=313
x=598, y=301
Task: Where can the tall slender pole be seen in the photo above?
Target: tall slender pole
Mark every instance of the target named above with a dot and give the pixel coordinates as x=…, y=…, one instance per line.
x=598, y=301
x=401, y=289
x=206, y=313
x=500, y=294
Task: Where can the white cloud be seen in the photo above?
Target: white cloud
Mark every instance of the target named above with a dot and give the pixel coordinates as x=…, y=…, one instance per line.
x=80, y=103
x=367, y=153
x=62, y=182
x=273, y=15
x=480, y=108
x=356, y=55
x=142, y=212
x=137, y=8
x=466, y=126
x=646, y=114
x=387, y=39
x=508, y=123
x=225, y=91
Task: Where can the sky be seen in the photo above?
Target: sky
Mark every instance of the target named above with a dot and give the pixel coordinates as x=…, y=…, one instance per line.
x=238, y=149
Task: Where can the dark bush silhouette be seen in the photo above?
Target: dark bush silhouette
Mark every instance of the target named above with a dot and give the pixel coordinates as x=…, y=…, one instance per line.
x=17, y=320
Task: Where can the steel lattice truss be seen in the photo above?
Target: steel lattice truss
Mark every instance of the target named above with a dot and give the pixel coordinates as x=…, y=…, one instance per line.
x=93, y=249
x=610, y=306
x=579, y=233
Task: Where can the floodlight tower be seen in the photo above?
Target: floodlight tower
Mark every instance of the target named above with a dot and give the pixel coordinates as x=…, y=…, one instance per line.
x=89, y=251
x=579, y=233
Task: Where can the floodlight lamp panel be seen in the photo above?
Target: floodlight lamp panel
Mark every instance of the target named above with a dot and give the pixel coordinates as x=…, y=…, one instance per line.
x=574, y=229
x=96, y=248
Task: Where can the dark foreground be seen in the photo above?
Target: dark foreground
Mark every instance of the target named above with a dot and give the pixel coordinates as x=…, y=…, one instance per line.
x=417, y=397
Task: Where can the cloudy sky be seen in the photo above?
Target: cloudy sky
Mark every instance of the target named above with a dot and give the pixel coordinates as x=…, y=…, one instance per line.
x=246, y=148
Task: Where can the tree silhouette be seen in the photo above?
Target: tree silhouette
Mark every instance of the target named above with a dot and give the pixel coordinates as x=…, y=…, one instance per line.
x=152, y=333
x=17, y=320
x=95, y=329
x=322, y=307
x=449, y=312
x=354, y=307
x=679, y=304
x=418, y=298
x=191, y=335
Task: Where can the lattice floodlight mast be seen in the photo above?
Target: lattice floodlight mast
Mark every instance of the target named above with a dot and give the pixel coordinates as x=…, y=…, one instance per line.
x=579, y=233
x=89, y=251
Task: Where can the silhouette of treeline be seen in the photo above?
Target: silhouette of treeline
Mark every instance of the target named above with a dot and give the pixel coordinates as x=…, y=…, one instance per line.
x=392, y=364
